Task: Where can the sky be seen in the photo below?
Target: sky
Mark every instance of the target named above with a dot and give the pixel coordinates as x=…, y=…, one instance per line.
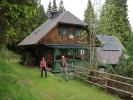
x=77, y=7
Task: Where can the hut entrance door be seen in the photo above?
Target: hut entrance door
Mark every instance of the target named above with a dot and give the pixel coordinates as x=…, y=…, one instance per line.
x=50, y=52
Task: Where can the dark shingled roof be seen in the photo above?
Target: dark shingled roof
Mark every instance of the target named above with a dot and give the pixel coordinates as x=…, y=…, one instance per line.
x=108, y=42
x=42, y=30
x=111, y=49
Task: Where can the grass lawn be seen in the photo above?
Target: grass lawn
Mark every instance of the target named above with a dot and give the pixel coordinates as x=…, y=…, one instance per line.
x=18, y=82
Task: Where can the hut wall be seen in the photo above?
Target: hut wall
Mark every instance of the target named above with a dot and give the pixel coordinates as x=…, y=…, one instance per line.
x=54, y=37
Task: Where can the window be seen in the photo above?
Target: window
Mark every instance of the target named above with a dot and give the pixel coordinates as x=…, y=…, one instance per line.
x=63, y=30
x=77, y=32
x=70, y=52
x=69, y=30
x=70, y=55
x=57, y=52
x=82, y=52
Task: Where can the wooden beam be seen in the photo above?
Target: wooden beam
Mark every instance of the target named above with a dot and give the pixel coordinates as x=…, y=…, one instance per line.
x=94, y=83
x=89, y=75
x=91, y=82
x=127, y=78
x=119, y=82
x=118, y=90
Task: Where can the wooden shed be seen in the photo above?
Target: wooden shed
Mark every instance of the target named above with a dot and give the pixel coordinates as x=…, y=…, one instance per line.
x=111, y=50
x=59, y=35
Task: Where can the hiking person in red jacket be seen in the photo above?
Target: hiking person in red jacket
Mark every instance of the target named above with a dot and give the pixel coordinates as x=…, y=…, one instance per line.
x=63, y=65
x=43, y=67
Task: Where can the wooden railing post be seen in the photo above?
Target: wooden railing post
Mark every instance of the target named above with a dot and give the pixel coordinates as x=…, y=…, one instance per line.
x=132, y=97
x=105, y=82
x=132, y=94
x=74, y=72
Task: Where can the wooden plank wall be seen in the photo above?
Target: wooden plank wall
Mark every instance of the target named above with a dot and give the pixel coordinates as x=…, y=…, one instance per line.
x=54, y=37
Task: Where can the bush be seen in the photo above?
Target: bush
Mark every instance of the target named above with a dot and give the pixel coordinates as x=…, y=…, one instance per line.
x=125, y=67
x=6, y=55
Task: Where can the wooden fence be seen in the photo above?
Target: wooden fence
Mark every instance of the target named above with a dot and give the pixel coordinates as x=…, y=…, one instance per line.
x=122, y=86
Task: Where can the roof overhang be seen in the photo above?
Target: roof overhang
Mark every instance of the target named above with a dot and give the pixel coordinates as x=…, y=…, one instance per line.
x=65, y=46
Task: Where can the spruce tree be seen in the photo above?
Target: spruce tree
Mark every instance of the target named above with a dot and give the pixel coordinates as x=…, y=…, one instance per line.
x=19, y=19
x=61, y=7
x=90, y=20
x=114, y=19
x=54, y=7
x=90, y=16
x=49, y=10
x=41, y=15
x=125, y=67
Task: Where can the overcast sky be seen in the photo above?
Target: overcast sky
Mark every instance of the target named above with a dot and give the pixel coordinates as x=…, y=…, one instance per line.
x=77, y=7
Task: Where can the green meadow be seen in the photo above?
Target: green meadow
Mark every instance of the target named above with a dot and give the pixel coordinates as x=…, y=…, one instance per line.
x=18, y=82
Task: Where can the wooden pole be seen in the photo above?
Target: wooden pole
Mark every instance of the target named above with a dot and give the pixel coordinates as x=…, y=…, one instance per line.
x=105, y=82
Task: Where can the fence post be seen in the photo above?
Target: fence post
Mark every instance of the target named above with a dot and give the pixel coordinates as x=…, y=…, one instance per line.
x=132, y=95
x=105, y=84
x=74, y=73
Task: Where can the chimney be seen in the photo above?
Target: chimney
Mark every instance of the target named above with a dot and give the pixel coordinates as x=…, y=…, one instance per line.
x=54, y=14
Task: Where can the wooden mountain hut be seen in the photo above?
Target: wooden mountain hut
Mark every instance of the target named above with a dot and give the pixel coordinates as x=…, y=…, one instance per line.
x=59, y=35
